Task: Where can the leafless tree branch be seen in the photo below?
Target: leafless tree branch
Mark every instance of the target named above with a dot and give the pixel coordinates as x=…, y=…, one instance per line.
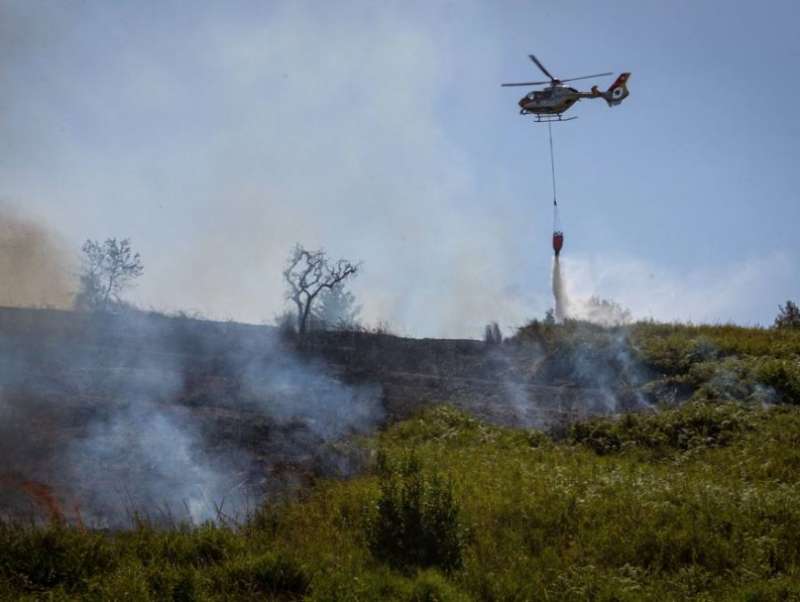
x=307, y=274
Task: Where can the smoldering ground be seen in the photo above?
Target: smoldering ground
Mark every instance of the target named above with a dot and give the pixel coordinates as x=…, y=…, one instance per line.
x=553, y=374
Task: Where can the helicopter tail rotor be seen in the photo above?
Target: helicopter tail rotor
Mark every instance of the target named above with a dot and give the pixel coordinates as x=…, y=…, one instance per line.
x=618, y=90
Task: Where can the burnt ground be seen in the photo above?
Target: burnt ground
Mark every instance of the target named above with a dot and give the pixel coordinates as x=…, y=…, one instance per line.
x=66, y=376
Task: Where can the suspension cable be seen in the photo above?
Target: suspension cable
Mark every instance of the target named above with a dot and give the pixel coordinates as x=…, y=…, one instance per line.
x=552, y=162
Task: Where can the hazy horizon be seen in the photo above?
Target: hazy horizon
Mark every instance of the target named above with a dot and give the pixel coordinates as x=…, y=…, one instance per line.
x=215, y=138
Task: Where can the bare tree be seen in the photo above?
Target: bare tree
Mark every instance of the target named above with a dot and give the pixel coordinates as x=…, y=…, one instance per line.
x=108, y=269
x=308, y=273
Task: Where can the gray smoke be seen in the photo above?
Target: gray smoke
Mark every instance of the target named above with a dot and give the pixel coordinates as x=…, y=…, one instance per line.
x=307, y=392
x=171, y=419
x=151, y=461
x=557, y=374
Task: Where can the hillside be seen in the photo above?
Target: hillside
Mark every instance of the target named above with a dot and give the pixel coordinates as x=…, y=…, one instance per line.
x=357, y=465
x=694, y=503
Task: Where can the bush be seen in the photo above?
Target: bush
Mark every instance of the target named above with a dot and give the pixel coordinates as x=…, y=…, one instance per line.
x=268, y=574
x=430, y=586
x=417, y=522
x=199, y=546
x=39, y=558
x=167, y=582
x=783, y=376
x=788, y=316
x=692, y=426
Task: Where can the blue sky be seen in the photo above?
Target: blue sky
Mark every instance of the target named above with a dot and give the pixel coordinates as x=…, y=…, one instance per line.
x=216, y=137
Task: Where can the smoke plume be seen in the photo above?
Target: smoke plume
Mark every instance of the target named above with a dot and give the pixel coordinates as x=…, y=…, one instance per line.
x=172, y=418
x=36, y=268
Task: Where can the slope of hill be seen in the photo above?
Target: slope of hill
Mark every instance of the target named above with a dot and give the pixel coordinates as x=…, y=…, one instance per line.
x=693, y=503
x=166, y=422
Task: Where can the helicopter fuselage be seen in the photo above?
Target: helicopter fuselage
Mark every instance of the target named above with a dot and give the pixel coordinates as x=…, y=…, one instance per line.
x=553, y=100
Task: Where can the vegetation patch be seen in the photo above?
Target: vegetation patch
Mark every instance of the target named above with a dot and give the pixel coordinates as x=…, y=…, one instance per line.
x=417, y=521
x=700, y=501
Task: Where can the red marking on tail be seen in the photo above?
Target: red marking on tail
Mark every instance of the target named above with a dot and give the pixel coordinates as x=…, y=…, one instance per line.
x=621, y=81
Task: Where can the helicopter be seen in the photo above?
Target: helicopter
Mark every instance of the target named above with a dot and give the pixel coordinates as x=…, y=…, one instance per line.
x=550, y=103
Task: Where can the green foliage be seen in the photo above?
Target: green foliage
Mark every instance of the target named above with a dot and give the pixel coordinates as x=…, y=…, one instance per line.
x=431, y=586
x=40, y=558
x=788, y=316
x=698, y=502
x=676, y=354
x=667, y=364
x=782, y=375
x=417, y=520
x=183, y=546
x=180, y=584
x=267, y=574
x=693, y=426
x=723, y=340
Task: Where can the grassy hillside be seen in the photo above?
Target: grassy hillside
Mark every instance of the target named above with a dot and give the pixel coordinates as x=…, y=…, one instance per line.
x=673, y=363
x=697, y=502
x=695, y=495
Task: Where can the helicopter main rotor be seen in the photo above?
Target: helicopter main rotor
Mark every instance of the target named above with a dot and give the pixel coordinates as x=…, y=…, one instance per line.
x=552, y=81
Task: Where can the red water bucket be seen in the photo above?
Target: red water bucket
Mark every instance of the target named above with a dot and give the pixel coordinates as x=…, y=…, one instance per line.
x=558, y=241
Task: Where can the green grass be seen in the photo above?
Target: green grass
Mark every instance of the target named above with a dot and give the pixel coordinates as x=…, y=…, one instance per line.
x=701, y=502
x=672, y=363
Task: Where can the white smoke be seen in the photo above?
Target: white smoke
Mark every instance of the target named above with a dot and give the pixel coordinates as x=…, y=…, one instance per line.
x=152, y=461
x=170, y=418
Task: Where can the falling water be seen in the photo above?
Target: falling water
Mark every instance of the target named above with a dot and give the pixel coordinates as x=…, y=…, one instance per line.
x=559, y=291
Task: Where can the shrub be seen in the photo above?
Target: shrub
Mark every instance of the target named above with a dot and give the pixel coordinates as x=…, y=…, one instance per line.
x=692, y=426
x=38, y=558
x=783, y=376
x=270, y=574
x=788, y=316
x=199, y=546
x=418, y=521
x=430, y=586
x=675, y=353
x=166, y=582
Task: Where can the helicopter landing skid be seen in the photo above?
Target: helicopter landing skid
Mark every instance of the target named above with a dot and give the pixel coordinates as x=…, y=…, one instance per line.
x=552, y=119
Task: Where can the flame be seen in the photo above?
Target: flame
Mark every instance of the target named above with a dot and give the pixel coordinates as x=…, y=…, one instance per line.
x=42, y=494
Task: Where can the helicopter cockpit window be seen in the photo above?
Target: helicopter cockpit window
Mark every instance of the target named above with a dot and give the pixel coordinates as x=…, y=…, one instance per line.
x=531, y=96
